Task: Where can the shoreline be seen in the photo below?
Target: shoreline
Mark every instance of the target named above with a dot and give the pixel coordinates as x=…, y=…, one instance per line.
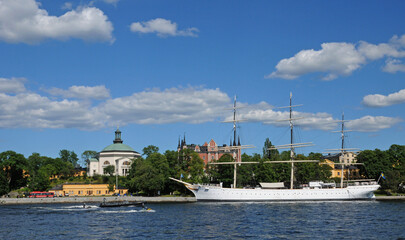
x=81, y=200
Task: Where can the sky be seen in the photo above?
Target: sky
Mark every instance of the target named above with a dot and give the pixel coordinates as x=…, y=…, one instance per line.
x=71, y=72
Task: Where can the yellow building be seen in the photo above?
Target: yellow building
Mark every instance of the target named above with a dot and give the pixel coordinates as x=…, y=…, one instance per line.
x=337, y=170
x=77, y=189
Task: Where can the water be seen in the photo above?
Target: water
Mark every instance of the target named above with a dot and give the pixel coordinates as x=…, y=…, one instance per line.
x=275, y=220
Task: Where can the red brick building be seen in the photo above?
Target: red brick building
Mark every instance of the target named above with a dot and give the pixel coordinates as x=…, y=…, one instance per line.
x=211, y=151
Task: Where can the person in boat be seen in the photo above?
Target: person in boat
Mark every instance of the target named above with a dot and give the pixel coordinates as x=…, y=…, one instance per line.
x=84, y=205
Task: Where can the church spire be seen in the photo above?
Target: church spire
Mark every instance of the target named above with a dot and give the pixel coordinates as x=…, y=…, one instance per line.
x=117, y=136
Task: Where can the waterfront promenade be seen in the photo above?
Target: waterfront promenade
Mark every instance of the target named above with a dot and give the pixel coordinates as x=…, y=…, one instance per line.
x=16, y=201
x=13, y=201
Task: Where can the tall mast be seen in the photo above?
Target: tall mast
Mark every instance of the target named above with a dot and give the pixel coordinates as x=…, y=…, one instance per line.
x=234, y=122
x=292, y=146
x=342, y=150
x=235, y=146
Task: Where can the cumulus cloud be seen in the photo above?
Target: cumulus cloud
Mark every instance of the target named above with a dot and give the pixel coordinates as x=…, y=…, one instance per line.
x=23, y=21
x=393, y=66
x=378, y=100
x=111, y=1
x=340, y=59
x=26, y=109
x=22, y=108
x=12, y=85
x=372, y=124
x=162, y=28
x=31, y=110
x=263, y=112
x=67, y=6
x=189, y=105
x=82, y=92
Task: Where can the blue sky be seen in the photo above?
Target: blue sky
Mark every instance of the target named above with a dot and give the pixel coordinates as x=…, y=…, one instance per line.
x=72, y=71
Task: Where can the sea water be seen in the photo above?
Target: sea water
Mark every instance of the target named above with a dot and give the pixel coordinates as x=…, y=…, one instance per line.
x=272, y=220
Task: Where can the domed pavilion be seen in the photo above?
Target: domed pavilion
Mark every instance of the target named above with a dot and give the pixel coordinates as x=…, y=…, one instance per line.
x=117, y=154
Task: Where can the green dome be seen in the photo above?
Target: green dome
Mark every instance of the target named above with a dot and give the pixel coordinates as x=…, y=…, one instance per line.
x=118, y=147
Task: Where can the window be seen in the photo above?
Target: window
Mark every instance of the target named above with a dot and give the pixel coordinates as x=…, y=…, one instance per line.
x=106, y=163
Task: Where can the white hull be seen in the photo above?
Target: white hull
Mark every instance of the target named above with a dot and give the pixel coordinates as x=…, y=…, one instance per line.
x=213, y=193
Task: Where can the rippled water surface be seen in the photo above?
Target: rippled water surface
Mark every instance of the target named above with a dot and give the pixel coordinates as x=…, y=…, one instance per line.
x=275, y=220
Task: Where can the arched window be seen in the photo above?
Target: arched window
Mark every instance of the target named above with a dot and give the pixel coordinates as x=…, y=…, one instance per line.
x=106, y=163
x=126, y=163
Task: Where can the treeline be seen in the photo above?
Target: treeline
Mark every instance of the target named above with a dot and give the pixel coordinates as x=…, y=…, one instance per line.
x=390, y=162
x=34, y=172
x=149, y=175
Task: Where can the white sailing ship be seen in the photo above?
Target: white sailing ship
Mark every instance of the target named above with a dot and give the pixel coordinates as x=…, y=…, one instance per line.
x=316, y=190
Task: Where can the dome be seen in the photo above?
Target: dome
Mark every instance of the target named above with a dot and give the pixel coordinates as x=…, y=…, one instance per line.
x=118, y=147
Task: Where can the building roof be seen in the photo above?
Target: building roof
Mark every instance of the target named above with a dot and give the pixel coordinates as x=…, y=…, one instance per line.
x=93, y=160
x=118, y=147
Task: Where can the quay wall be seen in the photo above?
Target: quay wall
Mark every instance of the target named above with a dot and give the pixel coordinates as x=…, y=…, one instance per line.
x=13, y=201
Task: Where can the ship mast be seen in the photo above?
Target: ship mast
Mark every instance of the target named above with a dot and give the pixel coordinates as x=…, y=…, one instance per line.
x=292, y=154
x=292, y=145
x=234, y=147
x=343, y=150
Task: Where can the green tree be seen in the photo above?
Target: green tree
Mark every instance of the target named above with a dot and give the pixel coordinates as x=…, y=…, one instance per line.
x=149, y=175
x=3, y=182
x=109, y=170
x=375, y=162
x=196, y=168
x=223, y=172
x=149, y=150
x=86, y=155
x=40, y=182
x=14, y=166
x=68, y=156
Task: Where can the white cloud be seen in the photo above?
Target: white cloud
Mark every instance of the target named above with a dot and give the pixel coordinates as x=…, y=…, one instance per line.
x=372, y=124
x=334, y=59
x=162, y=28
x=340, y=59
x=23, y=21
x=30, y=110
x=265, y=113
x=393, y=66
x=111, y=1
x=13, y=85
x=189, y=105
x=21, y=108
x=378, y=100
x=82, y=92
x=67, y=6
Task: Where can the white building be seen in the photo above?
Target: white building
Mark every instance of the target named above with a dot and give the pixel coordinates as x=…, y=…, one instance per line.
x=117, y=154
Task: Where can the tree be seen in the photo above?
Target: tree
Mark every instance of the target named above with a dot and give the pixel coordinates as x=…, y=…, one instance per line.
x=223, y=172
x=68, y=156
x=86, y=155
x=14, y=167
x=3, y=182
x=109, y=170
x=149, y=175
x=149, y=150
x=196, y=168
x=40, y=182
x=272, y=154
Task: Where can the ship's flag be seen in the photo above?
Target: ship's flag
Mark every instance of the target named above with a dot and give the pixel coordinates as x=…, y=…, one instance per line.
x=382, y=175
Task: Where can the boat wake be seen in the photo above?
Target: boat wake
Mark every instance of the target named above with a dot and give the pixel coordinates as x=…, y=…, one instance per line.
x=128, y=211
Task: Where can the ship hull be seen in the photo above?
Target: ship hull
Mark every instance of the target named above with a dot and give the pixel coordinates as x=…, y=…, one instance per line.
x=205, y=193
